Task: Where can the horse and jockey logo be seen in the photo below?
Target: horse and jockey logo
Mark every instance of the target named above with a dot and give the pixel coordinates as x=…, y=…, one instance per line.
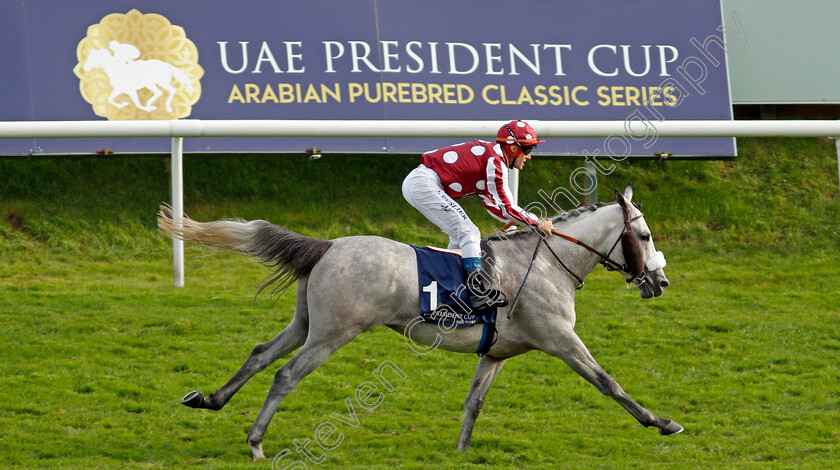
x=137, y=66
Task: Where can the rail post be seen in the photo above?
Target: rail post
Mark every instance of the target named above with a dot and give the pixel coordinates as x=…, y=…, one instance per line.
x=177, y=186
x=837, y=146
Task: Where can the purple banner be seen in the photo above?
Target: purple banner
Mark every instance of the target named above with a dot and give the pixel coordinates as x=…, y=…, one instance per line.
x=644, y=60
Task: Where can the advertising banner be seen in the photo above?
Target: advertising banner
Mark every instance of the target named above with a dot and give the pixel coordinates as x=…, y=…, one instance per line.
x=362, y=59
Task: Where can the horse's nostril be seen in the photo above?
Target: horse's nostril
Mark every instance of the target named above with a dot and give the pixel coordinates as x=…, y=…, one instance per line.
x=664, y=283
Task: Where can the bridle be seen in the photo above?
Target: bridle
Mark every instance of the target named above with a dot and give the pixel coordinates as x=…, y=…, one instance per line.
x=634, y=262
x=634, y=265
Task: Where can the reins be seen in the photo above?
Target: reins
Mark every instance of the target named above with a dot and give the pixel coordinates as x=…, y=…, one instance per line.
x=531, y=265
x=605, y=259
x=608, y=262
x=527, y=273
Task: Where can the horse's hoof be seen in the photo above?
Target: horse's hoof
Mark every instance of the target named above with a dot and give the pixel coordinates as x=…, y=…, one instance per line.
x=258, y=454
x=194, y=399
x=670, y=429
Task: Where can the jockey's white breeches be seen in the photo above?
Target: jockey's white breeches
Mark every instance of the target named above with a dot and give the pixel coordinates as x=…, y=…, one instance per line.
x=423, y=190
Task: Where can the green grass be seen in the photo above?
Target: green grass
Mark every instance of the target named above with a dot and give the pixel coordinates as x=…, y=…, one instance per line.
x=743, y=357
x=98, y=347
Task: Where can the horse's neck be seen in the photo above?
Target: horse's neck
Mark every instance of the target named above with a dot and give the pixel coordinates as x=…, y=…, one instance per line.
x=113, y=67
x=109, y=66
x=596, y=227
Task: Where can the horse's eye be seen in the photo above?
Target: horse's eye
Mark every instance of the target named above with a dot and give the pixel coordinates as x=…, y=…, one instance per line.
x=645, y=237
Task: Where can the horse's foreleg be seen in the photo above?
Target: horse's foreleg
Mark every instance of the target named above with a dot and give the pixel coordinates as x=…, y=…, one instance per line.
x=485, y=373
x=136, y=100
x=574, y=353
x=112, y=98
x=291, y=338
x=310, y=356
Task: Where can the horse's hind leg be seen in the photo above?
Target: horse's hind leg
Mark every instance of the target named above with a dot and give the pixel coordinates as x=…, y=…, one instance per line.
x=485, y=373
x=310, y=356
x=292, y=337
x=156, y=93
x=170, y=90
x=574, y=353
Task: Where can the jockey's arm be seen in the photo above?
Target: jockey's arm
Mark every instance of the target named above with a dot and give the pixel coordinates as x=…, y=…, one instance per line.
x=501, y=206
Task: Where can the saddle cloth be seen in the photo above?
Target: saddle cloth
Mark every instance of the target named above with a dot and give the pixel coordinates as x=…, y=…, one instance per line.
x=443, y=294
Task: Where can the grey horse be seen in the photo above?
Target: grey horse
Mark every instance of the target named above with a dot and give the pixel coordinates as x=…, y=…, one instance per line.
x=333, y=307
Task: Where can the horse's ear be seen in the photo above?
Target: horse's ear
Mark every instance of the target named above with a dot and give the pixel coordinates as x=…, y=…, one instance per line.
x=622, y=200
x=628, y=192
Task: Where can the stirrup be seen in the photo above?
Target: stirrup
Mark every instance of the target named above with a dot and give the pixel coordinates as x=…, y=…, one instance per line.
x=494, y=298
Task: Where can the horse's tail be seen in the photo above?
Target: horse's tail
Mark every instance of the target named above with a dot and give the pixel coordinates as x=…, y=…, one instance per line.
x=290, y=254
x=181, y=76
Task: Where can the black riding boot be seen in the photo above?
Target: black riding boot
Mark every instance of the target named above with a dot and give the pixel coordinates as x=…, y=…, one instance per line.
x=482, y=297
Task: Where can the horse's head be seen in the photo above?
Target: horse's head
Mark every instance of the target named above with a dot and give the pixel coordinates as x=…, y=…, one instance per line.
x=96, y=58
x=644, y=265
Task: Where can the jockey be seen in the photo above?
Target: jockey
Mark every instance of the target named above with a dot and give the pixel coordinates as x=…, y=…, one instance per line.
x=474, y=168
x=124, y=53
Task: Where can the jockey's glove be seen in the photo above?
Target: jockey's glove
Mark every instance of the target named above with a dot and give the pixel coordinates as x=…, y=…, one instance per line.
x=546, y=226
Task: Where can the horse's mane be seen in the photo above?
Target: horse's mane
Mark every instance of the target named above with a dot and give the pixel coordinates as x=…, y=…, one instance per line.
x=556, y=220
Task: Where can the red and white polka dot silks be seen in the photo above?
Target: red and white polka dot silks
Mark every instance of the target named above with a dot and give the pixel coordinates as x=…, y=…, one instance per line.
x=478, y=168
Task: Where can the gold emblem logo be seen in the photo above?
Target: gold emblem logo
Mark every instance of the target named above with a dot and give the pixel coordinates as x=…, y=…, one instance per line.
x=138, y=67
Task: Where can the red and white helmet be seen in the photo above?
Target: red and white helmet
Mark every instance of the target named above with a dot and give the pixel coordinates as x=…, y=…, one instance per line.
x=518, y=132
